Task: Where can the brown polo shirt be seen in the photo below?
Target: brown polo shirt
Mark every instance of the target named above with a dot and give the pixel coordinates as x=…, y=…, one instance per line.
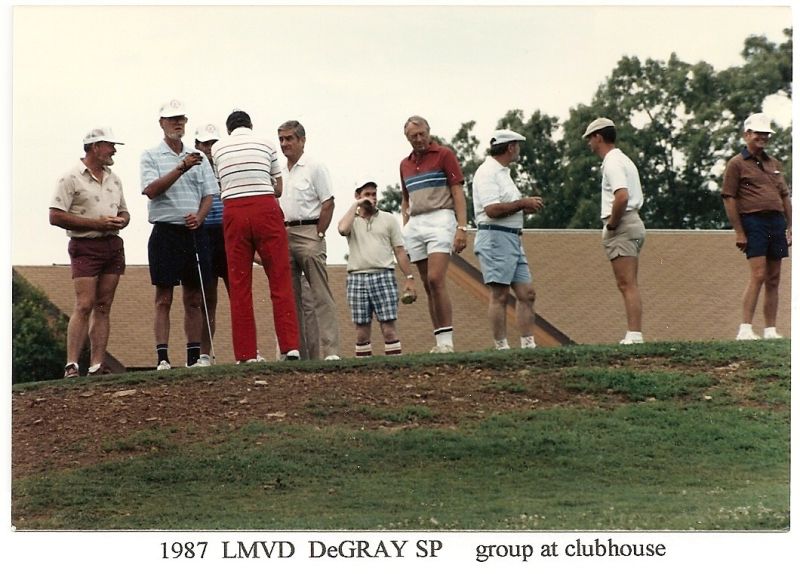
x=756, y=183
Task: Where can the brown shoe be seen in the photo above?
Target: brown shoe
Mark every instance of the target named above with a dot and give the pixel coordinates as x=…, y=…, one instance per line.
x=71, y=371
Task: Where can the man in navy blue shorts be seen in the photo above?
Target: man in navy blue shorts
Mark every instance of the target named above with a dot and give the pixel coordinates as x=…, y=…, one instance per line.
x=180, y=184
x=757, y=203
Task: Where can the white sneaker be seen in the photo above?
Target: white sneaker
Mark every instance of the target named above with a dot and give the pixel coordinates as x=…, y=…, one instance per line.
x=442, y=349
x=204, y=361
x=163, y=366
x=332, y=358
x=627, y=341
x=746, y=334
x=293, y=355
x=771, y=333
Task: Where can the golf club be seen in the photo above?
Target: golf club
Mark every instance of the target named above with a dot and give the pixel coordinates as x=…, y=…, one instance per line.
x=203, y=292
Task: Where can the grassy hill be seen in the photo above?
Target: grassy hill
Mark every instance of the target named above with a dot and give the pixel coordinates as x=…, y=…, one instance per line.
x=675, y=436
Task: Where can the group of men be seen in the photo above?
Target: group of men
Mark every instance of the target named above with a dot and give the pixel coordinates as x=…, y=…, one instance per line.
x=217, y=210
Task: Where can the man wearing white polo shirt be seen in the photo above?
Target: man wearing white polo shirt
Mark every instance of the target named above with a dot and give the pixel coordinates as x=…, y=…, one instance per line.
x=307, y=204
x=499, y=212
x=621, y=198
x=250, y=178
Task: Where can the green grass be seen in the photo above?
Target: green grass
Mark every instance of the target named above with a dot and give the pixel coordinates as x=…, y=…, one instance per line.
x=679, y=450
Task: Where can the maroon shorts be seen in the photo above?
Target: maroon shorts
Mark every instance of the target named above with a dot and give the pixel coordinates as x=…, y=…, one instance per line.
x=91, y=257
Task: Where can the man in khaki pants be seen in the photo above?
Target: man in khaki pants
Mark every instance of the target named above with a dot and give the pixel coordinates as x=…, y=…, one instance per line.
x=307, y=203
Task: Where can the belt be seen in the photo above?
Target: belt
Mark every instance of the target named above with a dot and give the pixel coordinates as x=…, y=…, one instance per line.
x=768, y=213
x=494, y=227
x=301, y=222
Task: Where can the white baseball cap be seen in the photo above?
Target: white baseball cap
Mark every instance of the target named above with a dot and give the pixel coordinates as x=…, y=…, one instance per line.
x=759, y=122
x=206, y=133
x=172, y=108
x=100, y=135
x=505, y=136
x=596, y=125
x=364, y=182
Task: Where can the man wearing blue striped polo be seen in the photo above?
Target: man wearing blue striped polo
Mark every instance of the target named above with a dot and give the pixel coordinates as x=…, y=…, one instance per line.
x=180, y=184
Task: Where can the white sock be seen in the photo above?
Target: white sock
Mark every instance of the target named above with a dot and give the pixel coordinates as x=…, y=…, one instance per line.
x=770, y=332
x=527, y=342
x=745, y=328
x=444, y=336
x=501, y=344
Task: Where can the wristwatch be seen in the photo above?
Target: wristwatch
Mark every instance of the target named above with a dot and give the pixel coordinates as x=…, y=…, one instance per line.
x=320, y=234
x=461, y=227
x=409, y=276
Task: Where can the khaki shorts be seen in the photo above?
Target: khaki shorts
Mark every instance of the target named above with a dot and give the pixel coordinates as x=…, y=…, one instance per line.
x=627, y=239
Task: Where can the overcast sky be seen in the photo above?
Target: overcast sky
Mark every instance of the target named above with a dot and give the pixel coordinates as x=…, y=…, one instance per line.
x=351, y=75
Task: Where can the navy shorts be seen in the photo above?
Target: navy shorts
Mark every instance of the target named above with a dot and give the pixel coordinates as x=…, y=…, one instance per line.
x=219, y=261
x=173, y=252
x=766, y=234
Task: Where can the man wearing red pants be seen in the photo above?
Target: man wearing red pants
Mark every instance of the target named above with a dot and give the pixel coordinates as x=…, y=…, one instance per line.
x=249, y=175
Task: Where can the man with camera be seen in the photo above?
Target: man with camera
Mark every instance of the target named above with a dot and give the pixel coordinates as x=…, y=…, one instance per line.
x=180, y=184
x=375, y=243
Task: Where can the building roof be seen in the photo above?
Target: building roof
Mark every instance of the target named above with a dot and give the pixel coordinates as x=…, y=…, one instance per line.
x=691, y=281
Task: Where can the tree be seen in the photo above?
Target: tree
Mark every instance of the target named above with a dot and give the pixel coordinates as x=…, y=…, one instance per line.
x=39, y=333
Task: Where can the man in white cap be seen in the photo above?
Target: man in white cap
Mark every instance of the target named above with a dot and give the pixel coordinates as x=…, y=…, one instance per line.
x=206, y=136
x=621, y=198
x=500, y=213
x=757, y=202
x=89, y=204
x=180, y=184
x=375, y=243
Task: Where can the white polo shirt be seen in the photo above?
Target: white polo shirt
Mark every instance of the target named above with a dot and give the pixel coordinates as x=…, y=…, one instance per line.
x=493, y=184
x=305, y=187
x=618, y=172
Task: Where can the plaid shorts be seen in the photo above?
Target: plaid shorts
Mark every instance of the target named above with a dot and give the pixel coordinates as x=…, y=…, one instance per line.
x=369, y=293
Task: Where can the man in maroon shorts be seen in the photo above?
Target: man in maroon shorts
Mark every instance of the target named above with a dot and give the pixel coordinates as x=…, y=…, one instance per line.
x=89, y=204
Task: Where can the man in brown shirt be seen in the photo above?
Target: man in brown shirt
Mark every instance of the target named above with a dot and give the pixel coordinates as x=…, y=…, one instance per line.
x=758, y=205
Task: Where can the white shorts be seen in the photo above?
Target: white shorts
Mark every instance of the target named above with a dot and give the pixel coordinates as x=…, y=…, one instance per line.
x=431, y=232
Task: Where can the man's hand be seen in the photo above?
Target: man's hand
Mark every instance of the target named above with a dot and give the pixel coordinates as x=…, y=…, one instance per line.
x=111, y=223
x=460, y=241
x=366, y=205
x=192, y=160
x=531, y=204
x=789, y=236
x=192, y=221
x=741, y=242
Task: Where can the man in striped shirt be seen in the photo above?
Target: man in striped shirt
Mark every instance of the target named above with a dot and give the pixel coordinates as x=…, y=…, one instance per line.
x=250, y=178
x=179, y=183
x=434, y=211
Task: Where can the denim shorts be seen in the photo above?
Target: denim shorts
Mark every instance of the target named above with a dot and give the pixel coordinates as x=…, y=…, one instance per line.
x=766, y=234
x=431, y=232
x=369, y=293
x=501, y=257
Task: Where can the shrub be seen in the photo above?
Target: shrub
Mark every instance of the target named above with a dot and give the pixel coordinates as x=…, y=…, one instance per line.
x=39, y=334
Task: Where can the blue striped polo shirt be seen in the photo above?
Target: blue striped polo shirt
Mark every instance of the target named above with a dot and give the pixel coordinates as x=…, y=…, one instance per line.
x=183, y=196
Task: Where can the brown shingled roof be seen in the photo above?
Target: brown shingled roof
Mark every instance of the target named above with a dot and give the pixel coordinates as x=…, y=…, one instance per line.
x=692, y=282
